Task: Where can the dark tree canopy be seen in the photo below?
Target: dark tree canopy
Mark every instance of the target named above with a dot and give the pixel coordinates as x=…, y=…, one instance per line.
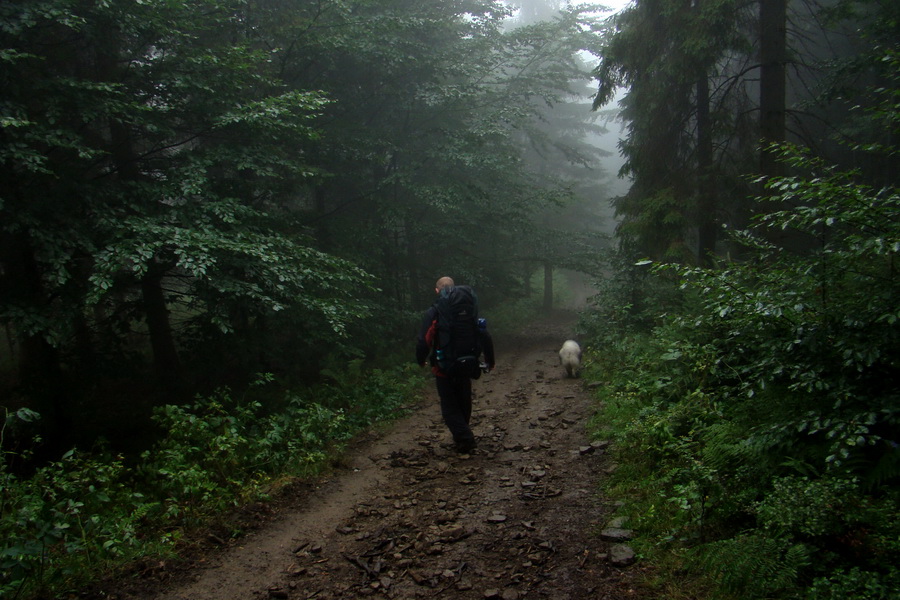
x=711, y=83
x=206, y=189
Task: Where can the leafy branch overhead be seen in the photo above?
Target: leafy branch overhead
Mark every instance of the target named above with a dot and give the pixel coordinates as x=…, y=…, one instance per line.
x=187, y=177
x=149, y=153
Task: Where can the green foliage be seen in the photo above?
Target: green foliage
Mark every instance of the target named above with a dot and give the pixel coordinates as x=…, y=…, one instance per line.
x=434, y=102
x=657, y=222
x=75, y=517
x=800, y=507
x=215, y=447
x=251, y=163
x=154, y=159
x=763, y=409
x=756, y=418
x=70, y=517
x=750, y=566
x=817, y=331
x=629, y=300
x=379, y=395
x=676, y=62
x=857, y=584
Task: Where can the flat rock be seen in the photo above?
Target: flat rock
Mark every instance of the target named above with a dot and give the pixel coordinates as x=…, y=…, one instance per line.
x=618, y=522
x=616, y=534
x=621, y=555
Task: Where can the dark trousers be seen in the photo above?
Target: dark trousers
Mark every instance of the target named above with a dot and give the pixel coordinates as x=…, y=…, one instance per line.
x=456, y=406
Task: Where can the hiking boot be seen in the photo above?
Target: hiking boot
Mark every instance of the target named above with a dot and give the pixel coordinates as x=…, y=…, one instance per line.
x=465, y=447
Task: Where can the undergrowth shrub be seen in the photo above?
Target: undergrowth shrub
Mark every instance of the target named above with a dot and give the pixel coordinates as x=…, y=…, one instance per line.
x=216, y=446
x=77, y=516
x=70, y=516
x=630, y=301
x=756, y=420
x=856, y=583
x=752, y=566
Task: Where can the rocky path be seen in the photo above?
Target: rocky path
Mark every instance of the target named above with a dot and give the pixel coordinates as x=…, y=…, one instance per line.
x=409, y=518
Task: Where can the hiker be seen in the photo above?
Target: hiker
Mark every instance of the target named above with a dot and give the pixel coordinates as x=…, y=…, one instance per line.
x=455, y=362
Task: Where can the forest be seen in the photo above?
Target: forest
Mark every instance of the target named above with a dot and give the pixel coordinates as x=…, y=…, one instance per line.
x=220, y=221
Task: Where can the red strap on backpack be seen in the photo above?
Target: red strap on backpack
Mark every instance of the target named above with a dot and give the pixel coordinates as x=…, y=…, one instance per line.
x=430, y=339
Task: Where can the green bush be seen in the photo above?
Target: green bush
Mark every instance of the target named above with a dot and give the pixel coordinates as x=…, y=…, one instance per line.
x=75, y=517
x=857, y=584
x=756, y=421
x=71, y=515
x=807, y=508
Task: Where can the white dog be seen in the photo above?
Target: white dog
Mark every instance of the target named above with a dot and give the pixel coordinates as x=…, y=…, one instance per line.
x=570, y=357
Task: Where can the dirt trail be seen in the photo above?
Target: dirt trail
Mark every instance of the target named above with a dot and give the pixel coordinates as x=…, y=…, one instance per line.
x=409, y=518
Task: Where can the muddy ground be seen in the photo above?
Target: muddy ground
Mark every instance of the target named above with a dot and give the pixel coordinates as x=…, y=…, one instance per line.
x=407, y=517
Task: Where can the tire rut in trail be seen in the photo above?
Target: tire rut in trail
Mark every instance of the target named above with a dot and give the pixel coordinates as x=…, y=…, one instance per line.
x=409, y=518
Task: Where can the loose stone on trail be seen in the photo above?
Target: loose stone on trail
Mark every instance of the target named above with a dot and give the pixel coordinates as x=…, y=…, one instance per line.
x=616, y=534
x=621, y=555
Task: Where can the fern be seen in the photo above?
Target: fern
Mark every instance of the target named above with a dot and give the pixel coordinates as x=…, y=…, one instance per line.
x=347, y=375
x=146, y=509
x=885, y=469
x=751, y=566
x=725, y=448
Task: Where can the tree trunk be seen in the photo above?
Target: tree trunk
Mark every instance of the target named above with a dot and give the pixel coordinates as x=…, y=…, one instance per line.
x=162, y=342
x=40, y=373
x=413, y=278
x=528, y=273
x=706, y=192
x=772, y=80
x=548, y=287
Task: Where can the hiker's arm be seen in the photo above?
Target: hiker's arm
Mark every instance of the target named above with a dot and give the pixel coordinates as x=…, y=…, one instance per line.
x=487, y=346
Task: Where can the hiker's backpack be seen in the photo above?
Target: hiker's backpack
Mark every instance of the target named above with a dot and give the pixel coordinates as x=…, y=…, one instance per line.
x=457, y=343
